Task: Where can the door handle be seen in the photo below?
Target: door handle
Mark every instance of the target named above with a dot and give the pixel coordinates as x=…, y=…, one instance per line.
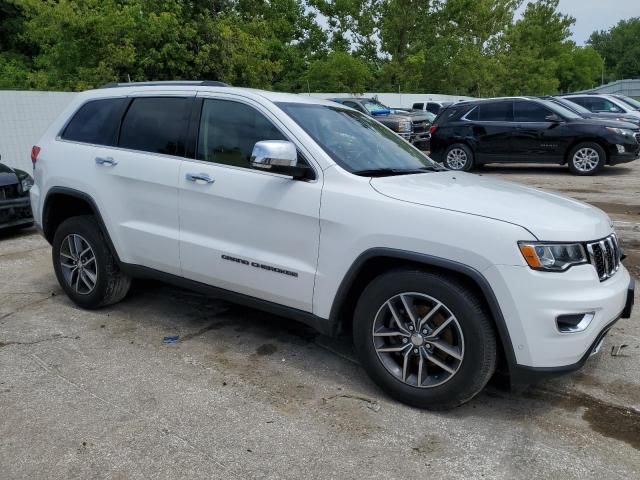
x=199, y=177
x=108, y=161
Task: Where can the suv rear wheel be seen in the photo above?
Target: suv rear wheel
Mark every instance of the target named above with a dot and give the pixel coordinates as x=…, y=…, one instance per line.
x=587, y=159
x=424, y=338
x=459, y=157
x=84, y=265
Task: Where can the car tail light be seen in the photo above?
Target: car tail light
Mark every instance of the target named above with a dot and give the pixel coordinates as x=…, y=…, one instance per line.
x=35, y=151
x=433, y=129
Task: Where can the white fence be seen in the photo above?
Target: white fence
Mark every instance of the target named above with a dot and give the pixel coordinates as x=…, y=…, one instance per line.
x=24, y=117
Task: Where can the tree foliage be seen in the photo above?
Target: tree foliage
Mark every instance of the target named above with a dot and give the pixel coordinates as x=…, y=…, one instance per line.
x=620, y=47
x=473, y=47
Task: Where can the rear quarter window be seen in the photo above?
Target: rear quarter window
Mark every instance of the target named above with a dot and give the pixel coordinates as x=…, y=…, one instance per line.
x=96, y=122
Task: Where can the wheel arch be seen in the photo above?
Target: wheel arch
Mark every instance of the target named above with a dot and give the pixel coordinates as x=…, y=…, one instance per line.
x=62, y=203
x=376, y=261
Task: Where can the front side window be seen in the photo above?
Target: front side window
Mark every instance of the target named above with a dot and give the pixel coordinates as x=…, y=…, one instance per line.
x=96, y=122
x=418, y=106
x=599, y=105
x=496, y=112
x=156, y=125
x=530, y=112
x=355, y=141
x=229, y=130
x=433, y=108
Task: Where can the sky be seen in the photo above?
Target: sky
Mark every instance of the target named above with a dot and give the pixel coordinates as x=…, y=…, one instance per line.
x=594, y=15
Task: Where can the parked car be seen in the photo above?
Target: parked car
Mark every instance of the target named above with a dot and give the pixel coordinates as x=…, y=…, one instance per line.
x=15, y=208
x=585, y=113
x=411, y=126
x=527, y=129
x=612, y=104
x=317, y=212
x=433, y=107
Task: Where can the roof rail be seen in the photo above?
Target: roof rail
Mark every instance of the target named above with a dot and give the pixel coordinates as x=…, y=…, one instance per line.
x=171, y=83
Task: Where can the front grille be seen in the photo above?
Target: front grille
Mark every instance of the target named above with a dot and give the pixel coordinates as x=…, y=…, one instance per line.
x=604, y=255
x=8, y=192
x=419, y=127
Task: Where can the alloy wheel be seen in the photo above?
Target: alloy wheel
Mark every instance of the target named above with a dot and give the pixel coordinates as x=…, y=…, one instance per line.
x=586, y=159
x=418, y=340
x=456, y=159
x=79, y=265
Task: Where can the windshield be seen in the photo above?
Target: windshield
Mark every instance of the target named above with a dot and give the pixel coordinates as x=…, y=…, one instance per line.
x=572, y=106
x=356, y=142
x=373, y=107
x=560, y=110
x=629, y=101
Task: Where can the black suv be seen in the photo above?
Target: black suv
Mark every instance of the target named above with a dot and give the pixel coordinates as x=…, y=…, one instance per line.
x=526, y=129
x=15, y=208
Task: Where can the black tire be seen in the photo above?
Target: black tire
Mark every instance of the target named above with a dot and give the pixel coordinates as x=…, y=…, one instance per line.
x=459, y=157
x=586, y=148
x=111, y=284
x=479, y=350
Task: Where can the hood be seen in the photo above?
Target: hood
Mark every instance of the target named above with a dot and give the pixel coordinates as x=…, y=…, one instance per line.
x=415, y=116
x=548, y=216
x=602, y=122
x=7, y=176
x=627, y=121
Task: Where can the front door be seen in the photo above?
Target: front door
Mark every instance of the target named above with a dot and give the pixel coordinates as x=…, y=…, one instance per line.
x=535, y=138
x=244, y=230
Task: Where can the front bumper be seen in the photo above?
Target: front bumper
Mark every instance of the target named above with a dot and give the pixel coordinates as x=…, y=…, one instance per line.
x=531, y=301
x=15, y=212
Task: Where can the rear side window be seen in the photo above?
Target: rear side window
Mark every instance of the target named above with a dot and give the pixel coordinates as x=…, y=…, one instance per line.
x=530, y=112
x=229, y=130
x=496, y=112
x=156, y=125
x=433, y=108
x=96, y=122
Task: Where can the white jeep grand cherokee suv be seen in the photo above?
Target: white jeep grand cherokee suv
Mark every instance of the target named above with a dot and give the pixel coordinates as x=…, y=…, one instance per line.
x=313, y=211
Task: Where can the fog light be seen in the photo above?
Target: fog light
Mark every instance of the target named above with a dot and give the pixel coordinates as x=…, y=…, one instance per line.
x=574, y=323
x=620, y=148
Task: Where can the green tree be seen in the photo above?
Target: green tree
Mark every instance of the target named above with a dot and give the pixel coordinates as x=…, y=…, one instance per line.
x=620, y=47
x=339, y=72
x=532, y=49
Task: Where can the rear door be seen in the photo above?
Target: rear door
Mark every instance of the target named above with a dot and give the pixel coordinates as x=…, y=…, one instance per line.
x=138, y=179
x=492, y=130
x=535, y=137
x=249, y=231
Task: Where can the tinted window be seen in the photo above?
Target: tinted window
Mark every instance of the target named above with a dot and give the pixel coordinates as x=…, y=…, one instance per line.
x=496, y=112
x=418, y=106
x=433, y=108
x=530, y=112
x=156, y=125
x=229, y=131
x=598, y=105
x=351, y=105
x=473, y=114
x=96, y=122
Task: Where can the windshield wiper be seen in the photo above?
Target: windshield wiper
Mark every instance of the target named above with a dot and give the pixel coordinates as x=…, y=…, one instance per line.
x=384, y=172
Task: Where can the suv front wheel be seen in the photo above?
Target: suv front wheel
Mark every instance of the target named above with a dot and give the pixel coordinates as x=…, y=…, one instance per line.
x=84, y=265
x=587, y=159
x=424, y=338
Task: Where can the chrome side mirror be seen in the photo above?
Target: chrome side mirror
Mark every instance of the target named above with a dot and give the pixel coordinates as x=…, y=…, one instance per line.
x=274, y=155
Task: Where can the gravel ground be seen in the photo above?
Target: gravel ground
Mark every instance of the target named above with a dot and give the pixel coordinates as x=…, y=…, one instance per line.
x=244, y=394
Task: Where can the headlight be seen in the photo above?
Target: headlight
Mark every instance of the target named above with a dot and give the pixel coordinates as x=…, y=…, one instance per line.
x=553, y=257
x=27, y=183
x=621, y=131
x=404, y=126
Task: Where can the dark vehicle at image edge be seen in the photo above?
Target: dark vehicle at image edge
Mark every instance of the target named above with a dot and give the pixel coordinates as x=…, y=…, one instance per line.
x=15, y=207
x=525, y=129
